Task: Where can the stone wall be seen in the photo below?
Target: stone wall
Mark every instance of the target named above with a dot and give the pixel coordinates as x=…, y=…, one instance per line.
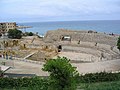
x=55, y=36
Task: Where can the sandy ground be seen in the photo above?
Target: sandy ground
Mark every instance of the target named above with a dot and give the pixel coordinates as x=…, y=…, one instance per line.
x=79, y=56
x=109, y=66
x=22, y=67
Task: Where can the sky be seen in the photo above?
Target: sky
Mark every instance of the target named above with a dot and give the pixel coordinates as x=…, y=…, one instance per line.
x=58, y=10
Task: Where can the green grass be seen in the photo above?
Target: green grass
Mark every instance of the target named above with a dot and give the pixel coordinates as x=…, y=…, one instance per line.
x=115, y=85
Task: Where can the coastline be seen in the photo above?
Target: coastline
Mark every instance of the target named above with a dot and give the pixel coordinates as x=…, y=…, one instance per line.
x=107, y=26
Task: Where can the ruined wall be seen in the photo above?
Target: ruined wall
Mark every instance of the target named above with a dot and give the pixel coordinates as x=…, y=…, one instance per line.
x=53, y=36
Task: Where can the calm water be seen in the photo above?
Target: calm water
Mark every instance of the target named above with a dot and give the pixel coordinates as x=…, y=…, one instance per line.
x=110, y=26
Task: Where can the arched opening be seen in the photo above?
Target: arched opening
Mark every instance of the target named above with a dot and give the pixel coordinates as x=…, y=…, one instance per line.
x=59, y=48
x=66, y=38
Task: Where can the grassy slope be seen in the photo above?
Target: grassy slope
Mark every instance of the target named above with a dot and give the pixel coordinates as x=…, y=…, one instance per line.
x=115, y=85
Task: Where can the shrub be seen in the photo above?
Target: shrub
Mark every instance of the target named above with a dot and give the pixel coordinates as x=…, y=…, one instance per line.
x=14, y=34
x=30, y=34
x=99, y=77
x=39, y=83
x=63, y=76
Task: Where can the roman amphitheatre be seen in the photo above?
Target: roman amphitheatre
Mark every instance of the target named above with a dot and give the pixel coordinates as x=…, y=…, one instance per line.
x=89, y=51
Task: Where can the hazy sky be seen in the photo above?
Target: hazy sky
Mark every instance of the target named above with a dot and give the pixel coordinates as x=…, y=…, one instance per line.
x=59, y=10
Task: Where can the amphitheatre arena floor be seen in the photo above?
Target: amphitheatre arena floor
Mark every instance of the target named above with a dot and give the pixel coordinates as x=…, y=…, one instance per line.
x=23, y=67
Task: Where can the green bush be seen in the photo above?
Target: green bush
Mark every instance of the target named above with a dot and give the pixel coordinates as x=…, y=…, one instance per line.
x=14, y=34
x=62, y=74
x=99, y=77
x=30, y=34
x=37, y=82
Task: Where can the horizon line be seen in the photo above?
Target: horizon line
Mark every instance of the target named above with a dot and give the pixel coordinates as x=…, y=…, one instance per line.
x=64, y=21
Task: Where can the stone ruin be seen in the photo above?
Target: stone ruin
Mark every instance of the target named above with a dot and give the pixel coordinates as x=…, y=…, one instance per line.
x=100, y=45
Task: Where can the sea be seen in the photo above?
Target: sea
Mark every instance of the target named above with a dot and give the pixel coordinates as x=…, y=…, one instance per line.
x=105, y=26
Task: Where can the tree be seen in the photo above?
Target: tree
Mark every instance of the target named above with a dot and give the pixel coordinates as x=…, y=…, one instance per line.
x=14, y=34
x=30, y=34
x=63, y=76
x=118, y=43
